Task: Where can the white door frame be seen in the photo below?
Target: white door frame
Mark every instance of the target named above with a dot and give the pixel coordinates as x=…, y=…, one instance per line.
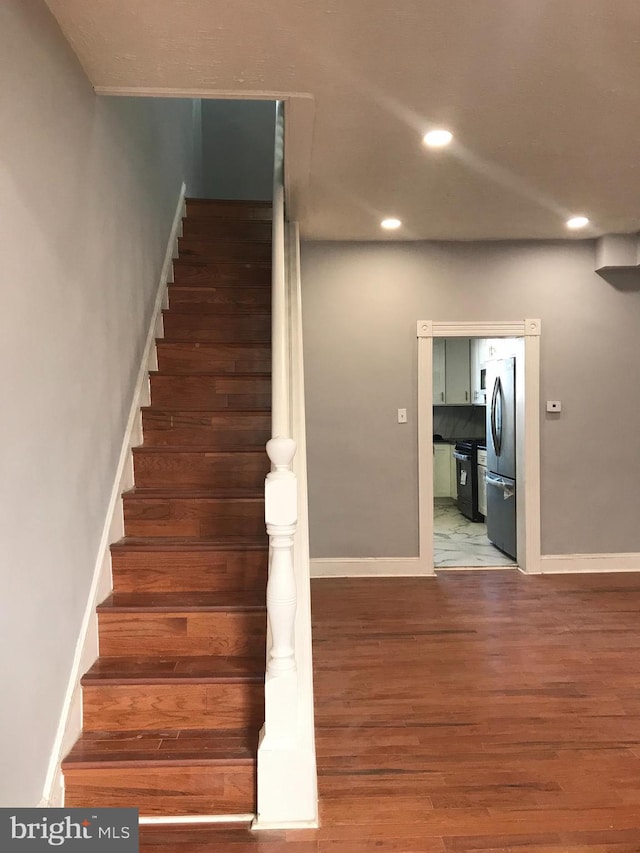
x=527, y=425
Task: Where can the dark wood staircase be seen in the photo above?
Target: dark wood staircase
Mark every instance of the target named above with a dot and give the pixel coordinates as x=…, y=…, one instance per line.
x=173, y=706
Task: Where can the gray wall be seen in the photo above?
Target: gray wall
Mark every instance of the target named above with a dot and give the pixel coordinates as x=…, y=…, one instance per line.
x=88, y=189
x=360, y=307
x=237, y=146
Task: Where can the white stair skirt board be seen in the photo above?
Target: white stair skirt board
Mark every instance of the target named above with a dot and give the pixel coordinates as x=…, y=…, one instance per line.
x=577, y=563
x=364, y=567
x=70, y=724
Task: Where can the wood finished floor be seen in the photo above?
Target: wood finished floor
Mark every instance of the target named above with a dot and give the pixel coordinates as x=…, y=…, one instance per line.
x=475, y=712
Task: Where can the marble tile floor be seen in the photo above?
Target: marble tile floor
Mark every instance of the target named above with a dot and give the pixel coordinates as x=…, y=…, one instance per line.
x=460, y=542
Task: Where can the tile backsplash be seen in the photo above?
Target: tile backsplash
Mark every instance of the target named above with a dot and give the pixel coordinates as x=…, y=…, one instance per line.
x=459, y=421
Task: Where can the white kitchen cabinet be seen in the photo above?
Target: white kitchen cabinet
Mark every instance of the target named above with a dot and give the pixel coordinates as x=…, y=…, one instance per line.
x=441, y=470
x=438, y=371
x=457, y=376
x=451, y=374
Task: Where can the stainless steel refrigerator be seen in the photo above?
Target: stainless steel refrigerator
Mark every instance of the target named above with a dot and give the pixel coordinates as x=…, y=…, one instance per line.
x=501, y=456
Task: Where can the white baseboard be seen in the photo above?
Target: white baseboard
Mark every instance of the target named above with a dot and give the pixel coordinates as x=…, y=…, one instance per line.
x=441, y=569
x=70, y=724
x=365, y=567
x=362, y=567
x=576, y=563
x=258, y=826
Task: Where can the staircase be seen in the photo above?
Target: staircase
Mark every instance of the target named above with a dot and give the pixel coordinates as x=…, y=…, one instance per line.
x=173, y=706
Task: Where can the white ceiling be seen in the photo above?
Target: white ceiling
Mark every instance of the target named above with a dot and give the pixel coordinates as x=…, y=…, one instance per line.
x=543, y=97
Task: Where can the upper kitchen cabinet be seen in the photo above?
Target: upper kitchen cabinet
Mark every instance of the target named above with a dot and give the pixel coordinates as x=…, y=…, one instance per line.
x=451, y=372
x=457, y=376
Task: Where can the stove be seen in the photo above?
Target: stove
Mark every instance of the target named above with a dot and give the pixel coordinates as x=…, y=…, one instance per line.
x=466, y=456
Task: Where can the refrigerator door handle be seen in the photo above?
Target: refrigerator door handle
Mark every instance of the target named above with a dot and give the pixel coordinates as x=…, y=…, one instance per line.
x=492, y=480
x=496, y=416
x=507, y=486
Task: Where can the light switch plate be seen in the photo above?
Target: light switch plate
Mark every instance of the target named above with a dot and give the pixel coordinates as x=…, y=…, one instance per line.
x=554, y=406
x=402, y=416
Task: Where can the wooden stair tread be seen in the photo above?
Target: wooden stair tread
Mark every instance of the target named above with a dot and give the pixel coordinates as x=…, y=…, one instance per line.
x=230, y=211
x=180, y=543
x=197, y=746
x=225, y=286
x=199, y=839
x=219, y=311
x=240, y=202
x=199, y=261
x=175, y=602
x=260, y=312
x=175, y=493
x=213, y=345
x=169, y=669
x=200, y=449
x=220, y=240
x=210, y=374
x=188, y=413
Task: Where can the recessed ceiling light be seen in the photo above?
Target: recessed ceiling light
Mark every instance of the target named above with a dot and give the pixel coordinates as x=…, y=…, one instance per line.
x=577, y=222
x=437, y=138
x=390, y=224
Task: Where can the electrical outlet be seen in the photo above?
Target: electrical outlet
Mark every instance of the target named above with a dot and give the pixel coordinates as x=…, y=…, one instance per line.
x=554, y=406
x=402, y=416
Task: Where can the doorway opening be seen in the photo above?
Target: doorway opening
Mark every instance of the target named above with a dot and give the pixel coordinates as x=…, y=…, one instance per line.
x=478, y=445
x=474, y=451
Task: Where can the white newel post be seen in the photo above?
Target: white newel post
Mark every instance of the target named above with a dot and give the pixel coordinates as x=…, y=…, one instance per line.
x=281, y=516
x=285, y=772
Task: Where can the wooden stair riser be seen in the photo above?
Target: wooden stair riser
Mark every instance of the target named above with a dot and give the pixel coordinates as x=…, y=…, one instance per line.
x=210, y=391
x=208, y=429
x=193, y=516
x=191, y=273
x=139, y=570
x=184, y=789
x=204, y=208
x=173, y=707
x=213, y=358
x=189, y=633
x=221, y=299
x=190, y=326
x=160, y=469
x=212, y=228
x=234, y=250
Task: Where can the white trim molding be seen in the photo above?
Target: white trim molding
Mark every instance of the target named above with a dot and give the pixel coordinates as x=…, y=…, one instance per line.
x=528, y=428
x=476, y=329
x=70, y=723
x=555, y=564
